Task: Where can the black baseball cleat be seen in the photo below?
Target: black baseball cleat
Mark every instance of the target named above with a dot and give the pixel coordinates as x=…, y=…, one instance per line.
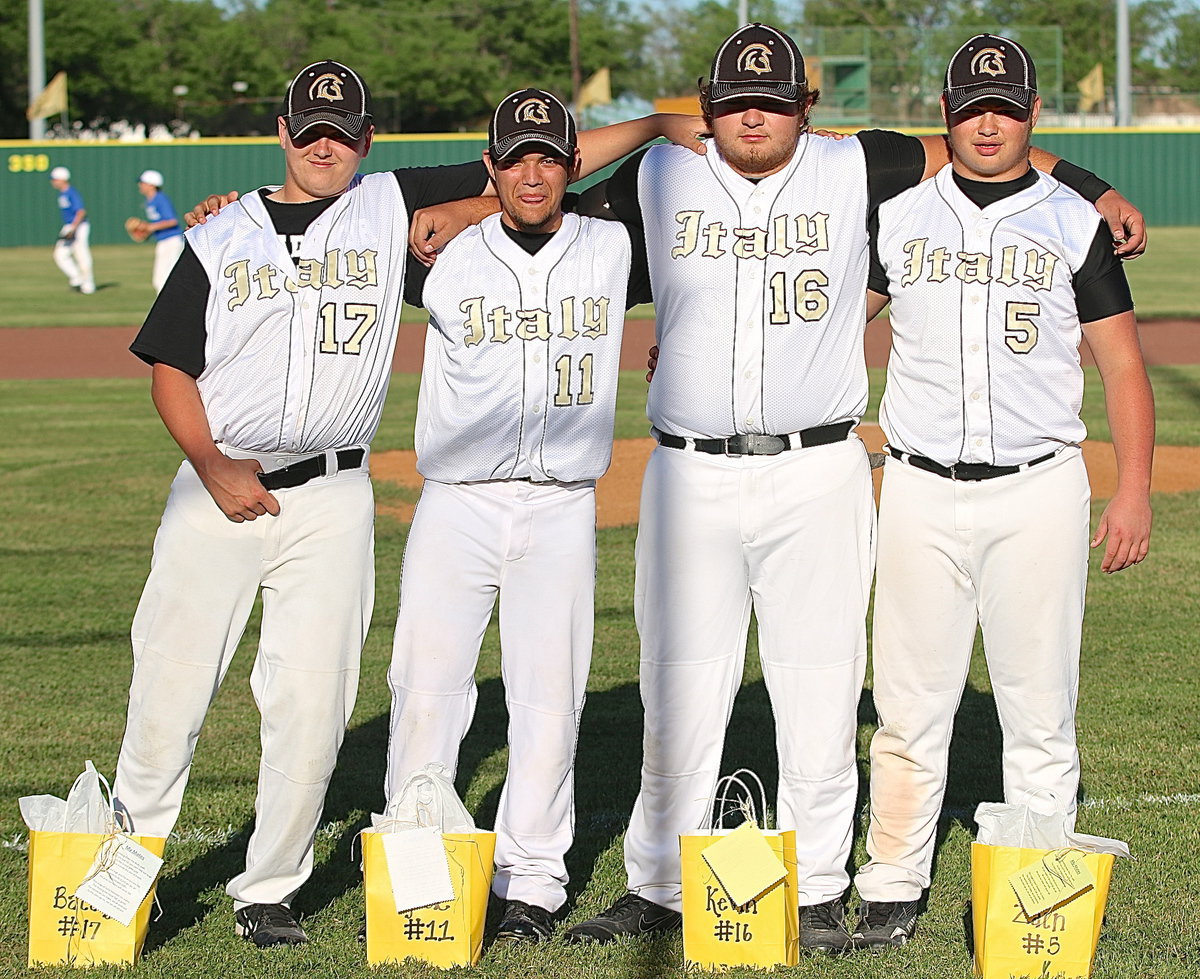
x=823, y=928
x=268, y=925
x=525, y=923
x=883, y=923
x=631, y=915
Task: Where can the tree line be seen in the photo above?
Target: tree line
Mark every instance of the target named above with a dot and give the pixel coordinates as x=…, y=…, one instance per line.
x=444, y=63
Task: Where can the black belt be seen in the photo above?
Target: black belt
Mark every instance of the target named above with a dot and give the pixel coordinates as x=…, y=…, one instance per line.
x=969, y=471
x=299, y=473
x=760, y=445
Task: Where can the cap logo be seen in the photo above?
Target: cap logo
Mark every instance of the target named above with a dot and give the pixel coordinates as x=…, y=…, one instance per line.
x=534, y=110
x=755, y=58
x=328, y=87
x=989, y=61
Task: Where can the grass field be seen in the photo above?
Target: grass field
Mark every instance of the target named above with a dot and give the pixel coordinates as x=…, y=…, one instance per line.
x=37, y=294
x=82, y=481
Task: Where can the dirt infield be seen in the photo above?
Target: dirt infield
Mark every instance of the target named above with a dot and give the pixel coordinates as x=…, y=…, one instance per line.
x=50, y=352
x=104, y=352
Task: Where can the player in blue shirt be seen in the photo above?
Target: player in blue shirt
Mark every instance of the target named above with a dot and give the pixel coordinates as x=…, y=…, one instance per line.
x=164, y=226
x=71, y=252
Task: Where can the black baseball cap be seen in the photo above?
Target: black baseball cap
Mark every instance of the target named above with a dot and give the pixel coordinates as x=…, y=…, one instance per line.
x=990, y=67
x=327, y=92
x=530, y=116
x=757, y=60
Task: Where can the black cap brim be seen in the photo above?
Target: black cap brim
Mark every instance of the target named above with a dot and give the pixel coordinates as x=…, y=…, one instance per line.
x=506, y=147
x=352, y=125
x=961, y=97
x=777, y=91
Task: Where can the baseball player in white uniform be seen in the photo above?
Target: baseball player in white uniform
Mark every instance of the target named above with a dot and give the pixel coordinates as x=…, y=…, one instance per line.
x=163, y=225
x=72, y=253
x=758, y=496
x=514, y=426
x=994, y=270
x=272, y=345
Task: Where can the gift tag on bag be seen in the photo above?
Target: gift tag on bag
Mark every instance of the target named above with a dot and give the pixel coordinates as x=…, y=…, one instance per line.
x=744, y=863
x=120, y=878
x=1053, y=880
x=418, y=868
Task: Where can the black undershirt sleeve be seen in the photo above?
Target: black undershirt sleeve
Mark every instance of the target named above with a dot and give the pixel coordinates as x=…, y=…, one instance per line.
x=174, y=332
x=616, y=199
x=425, y=186
x=1101, y=289
x=877, y=280
x=895, y=163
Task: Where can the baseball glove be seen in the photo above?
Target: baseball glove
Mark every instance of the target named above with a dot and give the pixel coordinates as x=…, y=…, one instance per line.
x=137, y=229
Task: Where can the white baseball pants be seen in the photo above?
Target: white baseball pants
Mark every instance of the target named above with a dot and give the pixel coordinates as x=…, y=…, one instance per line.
x=791, y=536
x=315, y=565
x=1009, y=554
x=74, y=258
x=533, y=545
x=166, y=254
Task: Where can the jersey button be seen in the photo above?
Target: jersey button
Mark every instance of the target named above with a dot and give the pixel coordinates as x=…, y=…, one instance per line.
x=537, y=409
x=974, y=348
x=975, y=396
x=537, y=358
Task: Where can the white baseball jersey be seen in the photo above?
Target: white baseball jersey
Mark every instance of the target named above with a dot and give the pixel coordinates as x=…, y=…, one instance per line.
x=985, y=333
x=759, y=297
x=339, y=306
x=520, y=381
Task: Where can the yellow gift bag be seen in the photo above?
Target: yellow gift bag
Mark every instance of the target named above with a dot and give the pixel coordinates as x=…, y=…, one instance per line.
x=765, y=930
x=65, y=930
x=1060, y=942
x=445, y=935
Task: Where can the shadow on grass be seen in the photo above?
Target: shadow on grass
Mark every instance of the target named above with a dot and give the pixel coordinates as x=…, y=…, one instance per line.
x=607, y=780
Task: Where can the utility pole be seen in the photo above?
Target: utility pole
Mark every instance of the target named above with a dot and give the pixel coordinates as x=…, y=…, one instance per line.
x=576, y=69
x=1124, y=89
x=37, y=65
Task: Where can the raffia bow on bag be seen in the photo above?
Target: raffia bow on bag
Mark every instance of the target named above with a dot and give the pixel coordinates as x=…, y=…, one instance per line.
x=1038, y=891
x=72, y=841
x=740, y=885
x=427, y=872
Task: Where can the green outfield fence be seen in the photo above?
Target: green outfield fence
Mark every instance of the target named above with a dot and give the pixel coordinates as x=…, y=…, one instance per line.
x=1159, y=170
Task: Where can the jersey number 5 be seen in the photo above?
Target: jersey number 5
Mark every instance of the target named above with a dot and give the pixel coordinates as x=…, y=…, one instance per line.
x=1020, y=332
x=366, y=317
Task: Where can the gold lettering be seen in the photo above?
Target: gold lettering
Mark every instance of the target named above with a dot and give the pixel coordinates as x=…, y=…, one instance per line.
x=714, y=236
x=499, y=318
x=812, y=233
x=1039, y=269
x=533, y=324
x=264, y=278
x=595, y=318
x=331, y=269
x=1008, y=265
x=360, y=269
x=939, y=258
x=568, y=331
x=309, y=273
x=473, y=324
x=973, y=267
x=915, y=250
x=811, y=302
x=239, y=283
x=687, y=237
x=779, y=237
x=750, y=243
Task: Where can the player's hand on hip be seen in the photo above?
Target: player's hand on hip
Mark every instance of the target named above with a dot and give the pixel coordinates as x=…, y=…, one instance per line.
x=1125, y=523
x=212, y=204
x=1125, y=223
x=235, y=488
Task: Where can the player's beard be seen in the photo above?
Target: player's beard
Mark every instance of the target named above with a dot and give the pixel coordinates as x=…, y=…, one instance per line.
x=760, y=159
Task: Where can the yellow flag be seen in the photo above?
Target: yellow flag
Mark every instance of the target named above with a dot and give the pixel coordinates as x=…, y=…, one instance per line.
x=597, y=90
x=1091, y=88
x=51, y=100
